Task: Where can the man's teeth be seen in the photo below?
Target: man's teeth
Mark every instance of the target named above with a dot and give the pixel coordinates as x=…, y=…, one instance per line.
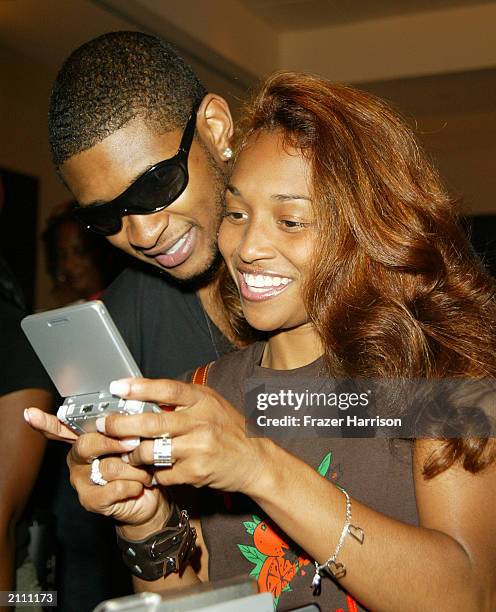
x=175, y=247
x=259, y=281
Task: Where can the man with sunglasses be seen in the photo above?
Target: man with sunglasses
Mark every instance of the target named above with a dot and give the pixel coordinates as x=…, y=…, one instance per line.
x=144, y=149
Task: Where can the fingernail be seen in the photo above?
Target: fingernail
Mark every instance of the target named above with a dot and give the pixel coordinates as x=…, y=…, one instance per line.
x=100, y=424
x=125, y=457
x=26, y=416
x=130, y=442
x=119, y=387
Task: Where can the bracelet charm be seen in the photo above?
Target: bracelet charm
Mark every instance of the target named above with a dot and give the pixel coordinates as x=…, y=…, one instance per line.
x=331, y=567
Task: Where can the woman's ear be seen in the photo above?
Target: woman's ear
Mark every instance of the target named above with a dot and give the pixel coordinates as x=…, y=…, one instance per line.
x=215, y=126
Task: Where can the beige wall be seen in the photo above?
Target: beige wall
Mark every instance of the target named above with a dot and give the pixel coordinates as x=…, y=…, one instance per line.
x=226, y=27
x=24, y=91
x=454, y=116
x=396, y=47
x=463, y=147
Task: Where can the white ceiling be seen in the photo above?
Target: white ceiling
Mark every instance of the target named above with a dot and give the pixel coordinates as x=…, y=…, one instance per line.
x=285, y=15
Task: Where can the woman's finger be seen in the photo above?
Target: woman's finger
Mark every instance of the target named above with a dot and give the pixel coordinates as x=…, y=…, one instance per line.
x=49, y=425
x=124, y=500
x=114, y=468
x=96, y=498
x=160, y=391
x=146, y=425
x=190, y=471
x=181, y=447
x=91, y=445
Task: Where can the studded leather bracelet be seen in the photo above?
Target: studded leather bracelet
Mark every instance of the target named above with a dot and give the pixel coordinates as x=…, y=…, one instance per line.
x=162, y=553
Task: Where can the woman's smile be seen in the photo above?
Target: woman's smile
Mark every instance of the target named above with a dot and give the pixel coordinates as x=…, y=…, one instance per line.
x=256, y=285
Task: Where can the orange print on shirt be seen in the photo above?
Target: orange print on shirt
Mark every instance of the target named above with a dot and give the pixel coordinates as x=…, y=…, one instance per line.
x=275, y=562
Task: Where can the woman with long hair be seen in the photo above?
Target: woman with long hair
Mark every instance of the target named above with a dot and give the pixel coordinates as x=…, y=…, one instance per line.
x=342, y=247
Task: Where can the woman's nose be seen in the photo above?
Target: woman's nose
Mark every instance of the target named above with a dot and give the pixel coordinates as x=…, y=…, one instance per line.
x=256, y=243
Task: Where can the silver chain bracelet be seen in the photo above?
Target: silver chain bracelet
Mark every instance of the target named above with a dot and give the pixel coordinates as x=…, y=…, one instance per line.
x=331, y=567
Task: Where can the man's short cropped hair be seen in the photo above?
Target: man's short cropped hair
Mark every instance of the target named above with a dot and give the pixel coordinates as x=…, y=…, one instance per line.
x=112, y=79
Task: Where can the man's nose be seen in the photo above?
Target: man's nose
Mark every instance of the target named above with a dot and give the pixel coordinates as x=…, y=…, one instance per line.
x=143, y=231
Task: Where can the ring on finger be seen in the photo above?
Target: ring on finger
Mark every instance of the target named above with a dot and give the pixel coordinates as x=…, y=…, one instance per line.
x=162, y=451
x=96, y=476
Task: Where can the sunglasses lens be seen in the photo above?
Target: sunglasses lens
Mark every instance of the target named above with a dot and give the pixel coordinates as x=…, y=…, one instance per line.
x=152, y=192
x=157, y=189
x=101, y=219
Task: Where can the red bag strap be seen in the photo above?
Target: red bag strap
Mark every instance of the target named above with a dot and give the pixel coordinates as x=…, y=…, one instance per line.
x=200, y=375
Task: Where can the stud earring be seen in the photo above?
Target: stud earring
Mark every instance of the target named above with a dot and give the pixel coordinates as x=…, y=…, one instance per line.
x=227, y=153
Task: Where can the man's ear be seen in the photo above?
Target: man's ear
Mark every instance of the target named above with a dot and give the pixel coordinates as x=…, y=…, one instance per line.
x=215, y=126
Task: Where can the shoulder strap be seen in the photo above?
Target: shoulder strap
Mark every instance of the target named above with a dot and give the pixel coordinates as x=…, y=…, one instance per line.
x=200, y=375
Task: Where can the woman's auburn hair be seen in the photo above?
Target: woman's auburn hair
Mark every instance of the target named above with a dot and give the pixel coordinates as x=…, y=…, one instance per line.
x=395, y=290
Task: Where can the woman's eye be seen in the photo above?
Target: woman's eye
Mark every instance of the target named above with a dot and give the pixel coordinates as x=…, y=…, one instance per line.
x=235, y=216
x=293, y=224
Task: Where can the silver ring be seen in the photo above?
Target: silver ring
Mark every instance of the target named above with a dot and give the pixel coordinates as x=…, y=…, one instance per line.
x=162, y=451
x=96, y=476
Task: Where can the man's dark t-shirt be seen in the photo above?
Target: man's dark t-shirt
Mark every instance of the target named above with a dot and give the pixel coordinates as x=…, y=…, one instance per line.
x=165, y=328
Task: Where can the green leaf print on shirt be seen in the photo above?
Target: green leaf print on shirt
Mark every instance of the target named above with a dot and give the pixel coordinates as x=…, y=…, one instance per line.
x=275, y=564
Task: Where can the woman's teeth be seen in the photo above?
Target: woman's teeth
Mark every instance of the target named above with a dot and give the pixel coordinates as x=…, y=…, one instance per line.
x=259, y=281
x=175, y=247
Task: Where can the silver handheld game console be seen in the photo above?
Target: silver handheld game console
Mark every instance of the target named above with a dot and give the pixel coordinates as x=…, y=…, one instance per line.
x=83, y=351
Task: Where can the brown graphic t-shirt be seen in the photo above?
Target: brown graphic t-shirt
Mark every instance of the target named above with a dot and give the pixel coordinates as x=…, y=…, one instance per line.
x=242, y=540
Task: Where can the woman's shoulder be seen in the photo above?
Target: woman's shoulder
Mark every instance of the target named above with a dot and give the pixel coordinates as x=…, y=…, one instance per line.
x=227, y=375
x=237, y=364
x=239, y=359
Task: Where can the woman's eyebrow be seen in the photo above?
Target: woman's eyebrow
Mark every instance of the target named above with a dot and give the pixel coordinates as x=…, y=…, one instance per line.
x=282, y=197
x=232, y=189
x=279, y=197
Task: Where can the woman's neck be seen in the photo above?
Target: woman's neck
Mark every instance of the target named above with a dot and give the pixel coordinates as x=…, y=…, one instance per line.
x=292, y=348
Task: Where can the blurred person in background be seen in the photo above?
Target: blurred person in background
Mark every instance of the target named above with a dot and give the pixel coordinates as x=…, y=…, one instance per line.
x=22, y=381
x=80, y=264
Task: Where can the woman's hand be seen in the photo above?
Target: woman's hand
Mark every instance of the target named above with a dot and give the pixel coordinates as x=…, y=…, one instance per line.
x=209, y=443
x=130, y=495
x=49, y=425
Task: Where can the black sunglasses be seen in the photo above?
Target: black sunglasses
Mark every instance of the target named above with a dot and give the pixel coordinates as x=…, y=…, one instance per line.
x=154, y=190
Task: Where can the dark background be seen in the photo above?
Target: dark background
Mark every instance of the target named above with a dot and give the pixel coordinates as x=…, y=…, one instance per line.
x=18, y=222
